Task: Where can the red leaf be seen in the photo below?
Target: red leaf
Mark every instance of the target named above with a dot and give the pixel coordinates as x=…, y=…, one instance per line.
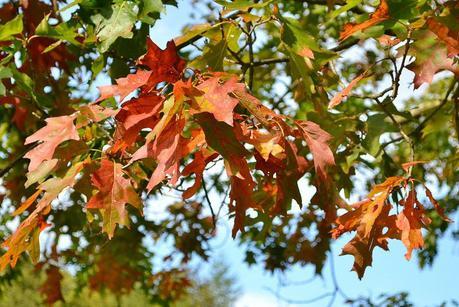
x=165, y=65
x=114, y=192
x=167, y=150
x=317, y=140
x=197, y=167
x=139, y=109
x=51, y=288
x=431, y=57
x=56, y=131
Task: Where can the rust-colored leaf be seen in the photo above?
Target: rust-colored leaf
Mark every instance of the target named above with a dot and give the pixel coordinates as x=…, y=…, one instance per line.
x=449, y=36
x=338, y=98
x=381, y=14
x=317, y=140
x=165, y=65
x=114, y=191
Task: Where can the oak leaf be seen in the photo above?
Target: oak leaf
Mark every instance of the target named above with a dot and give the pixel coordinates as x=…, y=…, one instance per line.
x=318, y=142
x=114, y=191
x=166, y=149
x=338, y=98
x=56, y=131
x=26, y=236
x=381, y=14
x=165, y=65
x=216, y=98
x=449, y=36
x=125, y=86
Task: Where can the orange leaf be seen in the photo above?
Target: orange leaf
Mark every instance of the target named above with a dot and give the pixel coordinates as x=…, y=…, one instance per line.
x=338, y=98
x=381, y=14
x=406, y=166
x=447, y=35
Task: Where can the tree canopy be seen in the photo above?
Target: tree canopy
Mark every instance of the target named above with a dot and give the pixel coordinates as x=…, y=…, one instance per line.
x=257, y=103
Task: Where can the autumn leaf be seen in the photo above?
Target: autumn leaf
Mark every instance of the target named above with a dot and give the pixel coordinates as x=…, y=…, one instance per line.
x=51, y=288
x=139, y=109
x=431, y=57
x=114, y=191
x=197, y=167
x=381, y=14
x=26, y=236
x=125, y=86
x=95, y=113
x=406, y=166
x=165, y=65
x=374, y=224
x=166, y=149
x=317, y=140
x=216, y=98
x=221, y=137
x=368, y=219
x=410, y=221
x=449, y=36
x=388, y=41
x=57, y=130
x=338, y=98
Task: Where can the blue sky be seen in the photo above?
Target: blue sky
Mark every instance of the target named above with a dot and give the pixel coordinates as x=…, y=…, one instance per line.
x=390, y=273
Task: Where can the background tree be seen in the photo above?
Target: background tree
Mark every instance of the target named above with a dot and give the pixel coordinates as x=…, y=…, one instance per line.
x=218, y=289
x=241, y=107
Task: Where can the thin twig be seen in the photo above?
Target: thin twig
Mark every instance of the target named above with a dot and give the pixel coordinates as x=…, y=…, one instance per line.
x=206, y=194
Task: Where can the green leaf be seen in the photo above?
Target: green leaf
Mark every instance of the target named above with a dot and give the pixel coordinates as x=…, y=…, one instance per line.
x=11, y=28
x=118, y=24
x=194, y=31
x=296, y=37
x=97, y=66
x=376, y=125
x=24, y=82
x=39, y=174
x=5, y=72
x=150, y=11
x=215, y=54
x=61, y=32
x=243, y=5
x=349, y=5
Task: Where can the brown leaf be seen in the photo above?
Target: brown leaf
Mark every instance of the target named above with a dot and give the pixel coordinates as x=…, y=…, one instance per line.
x=437, y=206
